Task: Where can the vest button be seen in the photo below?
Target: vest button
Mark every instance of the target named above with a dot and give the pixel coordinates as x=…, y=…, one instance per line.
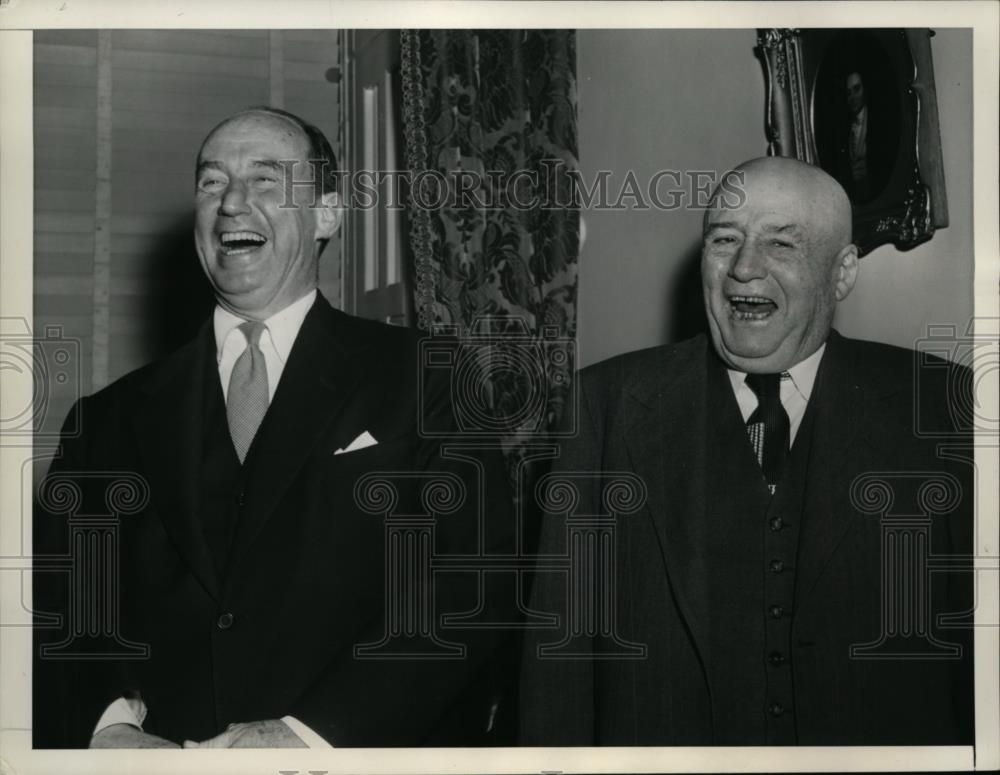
x=240, y=498
x=777, y=566
x=225, y=621
x=776, y=709
x=776, y=611
x=776, y=524
x=776, y=658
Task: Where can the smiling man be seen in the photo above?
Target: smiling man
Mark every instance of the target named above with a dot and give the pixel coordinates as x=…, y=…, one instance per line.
x=252, y=573
x=259, y=251
x=774, y=269
x=753, y=571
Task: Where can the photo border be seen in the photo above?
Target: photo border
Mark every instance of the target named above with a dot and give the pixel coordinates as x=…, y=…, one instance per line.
x=17, y=17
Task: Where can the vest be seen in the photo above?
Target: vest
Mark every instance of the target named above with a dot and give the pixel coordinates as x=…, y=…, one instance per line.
x=222, y=476
x=751, y=539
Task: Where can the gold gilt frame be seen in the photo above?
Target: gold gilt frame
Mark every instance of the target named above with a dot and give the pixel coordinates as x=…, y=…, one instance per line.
x=807, y=117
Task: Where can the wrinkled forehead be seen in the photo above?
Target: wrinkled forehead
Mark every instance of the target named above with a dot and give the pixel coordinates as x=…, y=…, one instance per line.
x=278, y=135
x=765, y=203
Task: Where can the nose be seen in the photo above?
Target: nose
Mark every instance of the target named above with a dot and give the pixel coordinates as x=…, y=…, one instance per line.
x=748, y=264
x=234, y=199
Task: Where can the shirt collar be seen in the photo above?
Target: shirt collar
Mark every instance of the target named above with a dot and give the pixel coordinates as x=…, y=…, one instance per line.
x=282, y=327
x=802, y=374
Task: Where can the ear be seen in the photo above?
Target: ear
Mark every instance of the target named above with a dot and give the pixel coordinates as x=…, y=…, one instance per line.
x=845, y=271
x=329, y=216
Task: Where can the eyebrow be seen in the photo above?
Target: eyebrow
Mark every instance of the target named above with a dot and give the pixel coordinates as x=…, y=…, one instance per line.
x=792, y=229
x=789, y=228
x=215, y=165
x=207, y=165
x=721, y=225
x=269, y=164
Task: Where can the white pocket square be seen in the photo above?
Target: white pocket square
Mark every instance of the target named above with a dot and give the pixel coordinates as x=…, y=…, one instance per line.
x=362, y=441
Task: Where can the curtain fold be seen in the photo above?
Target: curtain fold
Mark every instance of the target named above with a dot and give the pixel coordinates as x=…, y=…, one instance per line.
x=490, y=122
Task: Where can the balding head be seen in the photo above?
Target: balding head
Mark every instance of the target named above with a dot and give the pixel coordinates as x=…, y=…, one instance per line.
x=320, y=151
x=794, y=185
x=774, y=266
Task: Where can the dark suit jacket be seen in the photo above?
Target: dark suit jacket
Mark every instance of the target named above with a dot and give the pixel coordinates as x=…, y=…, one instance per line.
x=306, y=575
x=645, y=412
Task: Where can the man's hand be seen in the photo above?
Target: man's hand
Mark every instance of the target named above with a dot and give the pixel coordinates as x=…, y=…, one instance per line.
x=272, y=733
x=128, y=736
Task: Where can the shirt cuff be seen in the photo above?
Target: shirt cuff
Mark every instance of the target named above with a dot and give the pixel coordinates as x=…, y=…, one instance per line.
x=122, y=711
x=306, y=735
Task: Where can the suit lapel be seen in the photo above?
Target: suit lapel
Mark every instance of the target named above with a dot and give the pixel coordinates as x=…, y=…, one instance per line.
x=666, y=442
x=170, y=438
x=321, y=374
x=845, y=427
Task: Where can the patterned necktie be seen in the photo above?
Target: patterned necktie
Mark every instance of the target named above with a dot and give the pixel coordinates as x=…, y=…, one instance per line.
x=247, y=400
x=768, y=426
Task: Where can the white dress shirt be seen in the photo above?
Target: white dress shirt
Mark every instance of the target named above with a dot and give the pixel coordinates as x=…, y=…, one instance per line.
x=276, y=340
x=796, y=387
x=280, y=331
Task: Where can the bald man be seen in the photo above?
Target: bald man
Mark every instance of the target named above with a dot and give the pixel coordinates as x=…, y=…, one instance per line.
x=253, y=572
x=743, y=584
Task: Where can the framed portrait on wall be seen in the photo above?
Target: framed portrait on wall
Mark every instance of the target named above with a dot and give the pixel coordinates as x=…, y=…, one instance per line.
x=861, y=104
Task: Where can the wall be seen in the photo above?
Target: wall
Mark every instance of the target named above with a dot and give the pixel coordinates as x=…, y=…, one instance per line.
x=118, y=119
x=694, y=100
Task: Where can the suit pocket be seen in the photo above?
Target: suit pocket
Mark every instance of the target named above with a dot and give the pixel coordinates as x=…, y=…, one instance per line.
x=389, y=448
x=348, y=467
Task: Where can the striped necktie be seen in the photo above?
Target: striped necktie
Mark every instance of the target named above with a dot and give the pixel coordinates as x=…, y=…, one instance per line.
x=247, y=400
x=768, y=426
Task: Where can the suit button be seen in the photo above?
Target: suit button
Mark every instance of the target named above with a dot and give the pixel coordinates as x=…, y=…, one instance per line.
x=225, y=621
x=776, y=524
x=776, y=611
x=240, y=499
x=777, y=566
x=776, y=658
x=776, y=709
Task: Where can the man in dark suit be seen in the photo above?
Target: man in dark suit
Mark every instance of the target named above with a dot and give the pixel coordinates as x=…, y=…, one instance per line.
x=254, y=572
x=748, y=601
x=867, y=142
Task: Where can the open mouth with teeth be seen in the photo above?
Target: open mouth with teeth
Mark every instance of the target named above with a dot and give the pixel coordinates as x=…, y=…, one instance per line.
x=234, y=243
x=751, y=307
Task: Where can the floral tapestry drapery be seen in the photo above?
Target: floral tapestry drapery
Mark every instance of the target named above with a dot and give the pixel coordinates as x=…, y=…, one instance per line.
x=490, y=120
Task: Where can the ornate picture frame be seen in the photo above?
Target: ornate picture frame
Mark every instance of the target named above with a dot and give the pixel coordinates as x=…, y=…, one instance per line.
x=861, y=104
